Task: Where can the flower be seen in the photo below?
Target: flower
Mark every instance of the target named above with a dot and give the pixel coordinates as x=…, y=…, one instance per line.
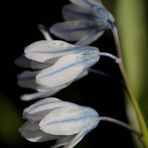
x=85, y=22
x=54, y=119
x=59, y=64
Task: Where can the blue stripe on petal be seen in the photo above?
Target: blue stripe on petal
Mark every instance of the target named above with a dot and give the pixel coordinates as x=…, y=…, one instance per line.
x=81, y=61
x=90, y=38
x=69, y=120
x=93, y=27
x=44, y=106
x=78, y=119
x=86, y=15
x=86, y=3
x=91, y=4
x=78, y=49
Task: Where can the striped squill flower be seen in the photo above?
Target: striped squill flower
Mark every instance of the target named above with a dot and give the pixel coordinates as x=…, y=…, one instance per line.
x=54, y=119
x=63, y=64
x=85, y=21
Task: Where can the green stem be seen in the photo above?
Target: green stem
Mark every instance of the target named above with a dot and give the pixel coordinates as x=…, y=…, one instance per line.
x=122, y=124
x=134, y=102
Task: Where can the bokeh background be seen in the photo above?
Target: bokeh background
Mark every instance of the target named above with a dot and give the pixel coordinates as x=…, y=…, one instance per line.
x=106, y=95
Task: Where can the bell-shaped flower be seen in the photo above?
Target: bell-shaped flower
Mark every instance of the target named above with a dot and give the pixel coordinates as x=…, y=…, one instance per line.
x=86, y=20
x=59, y=64
x=54, y=119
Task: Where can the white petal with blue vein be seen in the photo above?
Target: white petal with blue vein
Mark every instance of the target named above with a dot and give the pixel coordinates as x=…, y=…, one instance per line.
x=73, y=12
x=65, y=70
x=30, y=130
x=63, y=121
x=73, y=30
x=93, y=36
x=91, y=59
x=40, y=109
x=69, y=120
x=86, y=3
x=42, y=51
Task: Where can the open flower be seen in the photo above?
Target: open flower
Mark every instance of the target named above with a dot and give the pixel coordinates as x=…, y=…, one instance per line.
x=54, y=119
x=63, y=63
x=85, y=22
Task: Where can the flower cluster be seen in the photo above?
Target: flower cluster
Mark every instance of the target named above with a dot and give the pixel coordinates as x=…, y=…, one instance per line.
x=54, y=65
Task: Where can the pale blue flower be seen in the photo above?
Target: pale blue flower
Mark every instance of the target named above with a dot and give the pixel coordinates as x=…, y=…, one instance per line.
x=59, y=64
x=54, y=119
x=86, y=20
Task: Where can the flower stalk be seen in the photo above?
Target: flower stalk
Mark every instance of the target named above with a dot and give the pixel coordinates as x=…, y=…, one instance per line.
x=122, y=124
x=140, y=118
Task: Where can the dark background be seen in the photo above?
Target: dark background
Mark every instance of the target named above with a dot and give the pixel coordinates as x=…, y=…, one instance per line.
x=19, y=29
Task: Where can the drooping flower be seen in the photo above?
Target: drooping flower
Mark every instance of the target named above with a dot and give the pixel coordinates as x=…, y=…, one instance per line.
x=59, y=64
x=86, y=20
x=54, y=119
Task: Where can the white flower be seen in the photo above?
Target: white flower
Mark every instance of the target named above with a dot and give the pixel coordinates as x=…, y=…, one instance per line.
x=62, y=64
x=54, y=119
x=85, y=22
x=58, y=64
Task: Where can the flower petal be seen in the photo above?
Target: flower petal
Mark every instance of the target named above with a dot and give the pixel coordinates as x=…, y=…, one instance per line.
x=65, y=70
x=73, y=12
x=31, y=132
x=42, y=94
x=86, y=3
x=27, y=79
x=90, y=38
x=76, y=139
x=82, y=74
x=42, y=51
x=41, y=108
x=73, y=30
x=23, y=62
x=39, y=65
x=69, y=120
x=63, y=141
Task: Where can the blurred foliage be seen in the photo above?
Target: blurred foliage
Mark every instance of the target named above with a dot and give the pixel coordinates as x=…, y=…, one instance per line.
x=132, y=22
x=10, y=122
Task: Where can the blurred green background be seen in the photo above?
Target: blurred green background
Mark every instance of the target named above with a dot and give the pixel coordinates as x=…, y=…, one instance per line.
x=132, y=24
